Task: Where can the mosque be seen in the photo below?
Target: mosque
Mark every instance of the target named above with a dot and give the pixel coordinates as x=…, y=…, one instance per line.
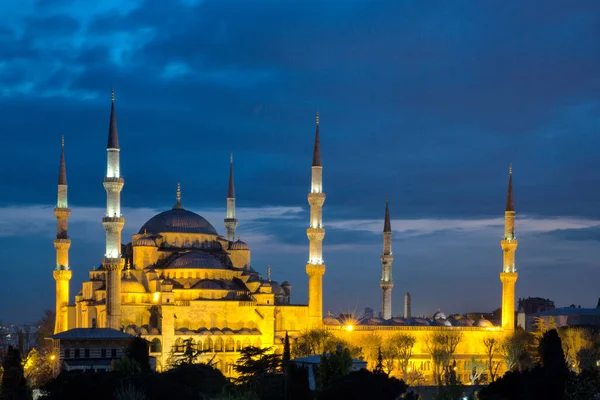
x=179, y=279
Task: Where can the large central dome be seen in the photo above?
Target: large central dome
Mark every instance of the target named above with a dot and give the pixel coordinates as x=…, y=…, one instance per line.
x=178, y=220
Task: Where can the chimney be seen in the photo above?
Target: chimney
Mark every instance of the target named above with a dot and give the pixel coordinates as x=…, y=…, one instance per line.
x=407, y=305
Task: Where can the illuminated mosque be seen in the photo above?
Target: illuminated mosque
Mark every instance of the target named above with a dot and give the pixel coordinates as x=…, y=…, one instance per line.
x=179, y=279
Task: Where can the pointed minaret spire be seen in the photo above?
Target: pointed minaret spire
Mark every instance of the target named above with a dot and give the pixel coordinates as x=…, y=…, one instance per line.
x=178, y=205
x=231, y=190
x=387, y=226
x=230, y=220
x=269, y=273
x=317, y=150
x=113, y=134
x=510, y=201
x=62, y=169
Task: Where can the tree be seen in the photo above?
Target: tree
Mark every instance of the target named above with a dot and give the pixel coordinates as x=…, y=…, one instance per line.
x=190, y=354
x=574, y=340
x=333, y=366
x=441, y=346
x=370, y=345
x=389, y=355
x=514, y=348
x=254, y=363
x=553, y=361
x=476, y=368
x=138, y=350
x=38, y=366
x=315, y=341
x=364, y=384
x=287, y=355
x=14, y=385
x=402, y=345
x=45, y=329
x=449, y=387
x=492, y=347
x=320, y=341
x=125, y=366
x=379, y=366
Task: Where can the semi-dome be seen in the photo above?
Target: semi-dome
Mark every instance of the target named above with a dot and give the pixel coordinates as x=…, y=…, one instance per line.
x=131, y=285
x=145, y=241
x=238, y=245
x=178, y=220
x=196, y=259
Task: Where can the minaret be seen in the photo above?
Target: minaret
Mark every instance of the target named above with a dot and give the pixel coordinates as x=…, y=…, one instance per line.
x=62, y=273
x=407, y=306
x=230, y=221
x=509, y=275
x=113, y=224
x=387, y=258
x=315, y=268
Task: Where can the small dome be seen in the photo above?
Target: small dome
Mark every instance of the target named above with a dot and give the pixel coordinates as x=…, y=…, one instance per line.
x=286, y=283
x=439, y=315
x=482, y=322
x=238, y=245
x=145, y=241
x=331, y=321
x=131, y=285
x=209, y=284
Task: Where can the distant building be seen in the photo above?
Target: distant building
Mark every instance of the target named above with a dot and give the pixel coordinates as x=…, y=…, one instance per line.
x=369, y=312
x=567, y=316
x=532, y=305
x=89, y=349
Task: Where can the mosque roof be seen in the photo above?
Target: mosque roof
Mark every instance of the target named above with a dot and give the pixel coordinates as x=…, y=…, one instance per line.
x=238, y=245
x=129, y=284
x=178, y=220
x=91, y=333
x=145, y=241
x=196, y=259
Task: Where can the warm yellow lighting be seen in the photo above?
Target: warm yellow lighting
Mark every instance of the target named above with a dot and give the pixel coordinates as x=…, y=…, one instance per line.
x=156, y=297
x=409, y=369
x=52, y=357
x=349, y=328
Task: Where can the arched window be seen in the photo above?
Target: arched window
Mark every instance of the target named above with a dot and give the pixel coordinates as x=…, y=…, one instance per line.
x=155, y=346
x=219, y=344
x=238, y=346
x=208, y=345
x=230, y=345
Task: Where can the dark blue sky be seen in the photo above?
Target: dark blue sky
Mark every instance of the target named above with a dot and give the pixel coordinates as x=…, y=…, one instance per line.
x=426, y=101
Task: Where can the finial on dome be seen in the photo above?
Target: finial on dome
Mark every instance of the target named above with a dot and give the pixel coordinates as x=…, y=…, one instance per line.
x=178, y=205
x=238, y=238
x=269, y=273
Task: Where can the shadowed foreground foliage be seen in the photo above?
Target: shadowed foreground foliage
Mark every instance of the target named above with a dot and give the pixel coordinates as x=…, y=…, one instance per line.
x=183, y=383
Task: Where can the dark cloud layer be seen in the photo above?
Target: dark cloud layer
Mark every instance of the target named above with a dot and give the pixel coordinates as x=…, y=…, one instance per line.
x=427, y=102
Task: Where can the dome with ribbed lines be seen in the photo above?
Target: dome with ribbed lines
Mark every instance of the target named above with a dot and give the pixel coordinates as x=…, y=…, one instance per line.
x=196, y=259
x=178, y=220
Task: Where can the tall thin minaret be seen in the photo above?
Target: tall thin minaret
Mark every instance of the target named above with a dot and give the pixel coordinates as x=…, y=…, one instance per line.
x=231, y=221
x=62, y=273
x=387, y=258
x=509, y=274
x=407, y=306
x=113, y=224
x=315, y=268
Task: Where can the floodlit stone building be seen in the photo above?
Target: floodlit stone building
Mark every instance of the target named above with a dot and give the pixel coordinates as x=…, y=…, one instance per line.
x=178, y=279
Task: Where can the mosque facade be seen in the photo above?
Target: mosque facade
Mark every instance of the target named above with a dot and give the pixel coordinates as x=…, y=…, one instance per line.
x=179, y=279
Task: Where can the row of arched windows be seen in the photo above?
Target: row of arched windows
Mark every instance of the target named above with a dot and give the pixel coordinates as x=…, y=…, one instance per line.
x=216, y=345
